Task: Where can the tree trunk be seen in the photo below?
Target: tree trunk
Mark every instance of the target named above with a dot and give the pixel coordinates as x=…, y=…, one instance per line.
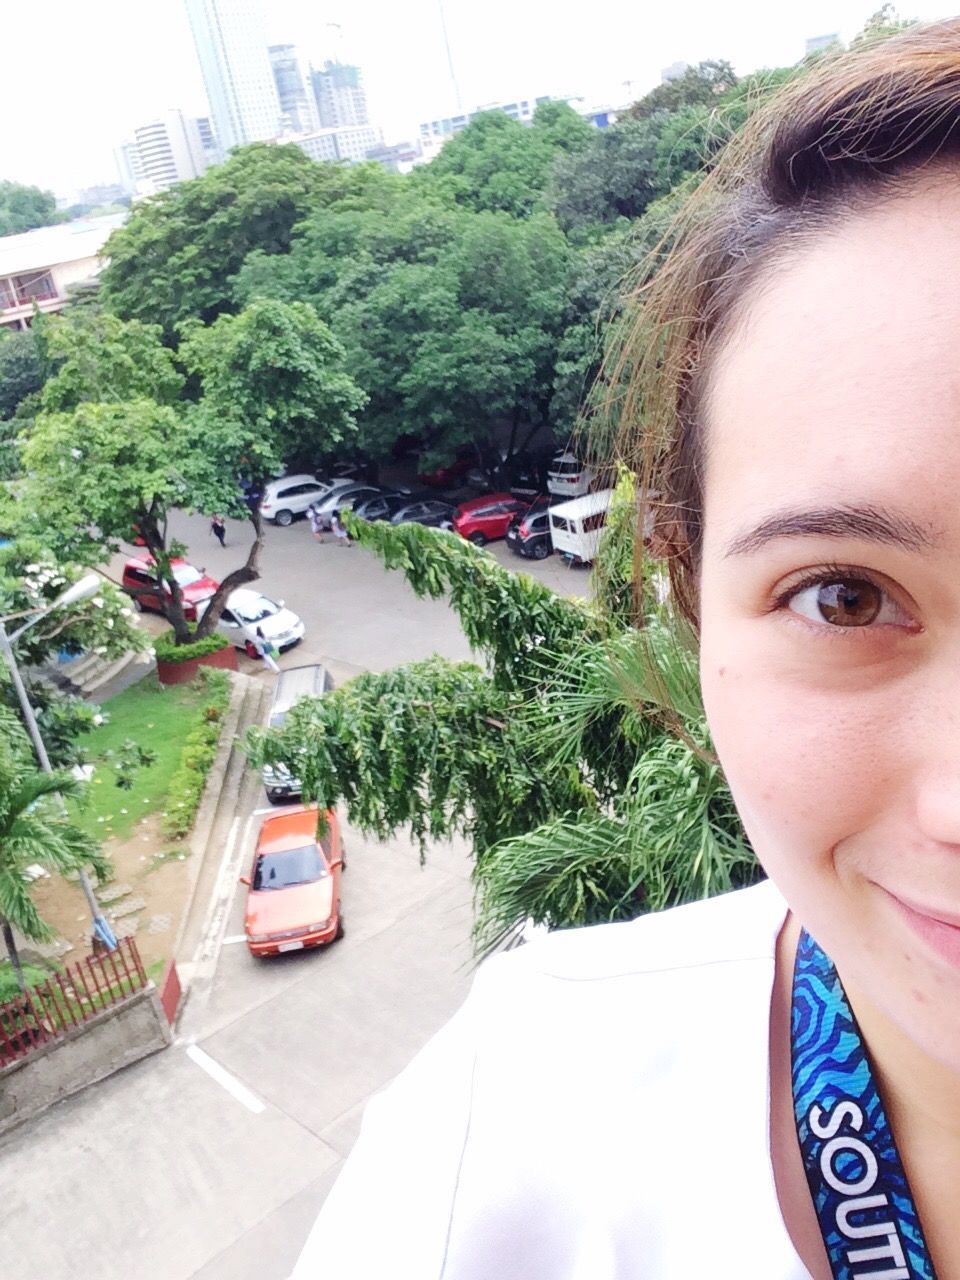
x=14, y=955
x=157, y=546
x=248, y=572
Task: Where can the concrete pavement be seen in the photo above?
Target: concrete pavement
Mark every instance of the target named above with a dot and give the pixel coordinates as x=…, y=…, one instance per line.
x=213, y=1164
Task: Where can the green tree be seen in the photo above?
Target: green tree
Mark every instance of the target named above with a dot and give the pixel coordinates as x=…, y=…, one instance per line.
x=274, y=391
x=98, y=357
x=95, y=473
x=22, y=208
x=498, y=164
x=21, y=371
x=34, y=830
x=699, y=85
x=449, y=345
x=575, y=760
x=176, y=256
x=885, y=22
x=614, y=177
x=272, y=380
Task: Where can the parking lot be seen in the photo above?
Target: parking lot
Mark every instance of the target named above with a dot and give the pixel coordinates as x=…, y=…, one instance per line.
x=211, y=1159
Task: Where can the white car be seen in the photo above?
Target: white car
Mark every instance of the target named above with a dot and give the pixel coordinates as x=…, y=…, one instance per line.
x=247, y=610
x=568, y=477
x=288, y=497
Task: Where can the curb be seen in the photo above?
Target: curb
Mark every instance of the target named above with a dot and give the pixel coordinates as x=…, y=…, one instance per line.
x=206, y=814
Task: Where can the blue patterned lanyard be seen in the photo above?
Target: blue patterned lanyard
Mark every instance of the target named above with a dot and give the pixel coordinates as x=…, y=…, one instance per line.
x=869, y=1222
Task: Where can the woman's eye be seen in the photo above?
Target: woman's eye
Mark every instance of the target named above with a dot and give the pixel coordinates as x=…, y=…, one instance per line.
x=847, y=602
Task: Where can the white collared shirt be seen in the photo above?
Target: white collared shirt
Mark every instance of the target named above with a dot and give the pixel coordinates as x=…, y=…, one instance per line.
x=597, y=1110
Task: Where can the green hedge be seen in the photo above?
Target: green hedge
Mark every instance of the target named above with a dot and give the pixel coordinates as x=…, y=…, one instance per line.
x=167, y=649
x=197, y=755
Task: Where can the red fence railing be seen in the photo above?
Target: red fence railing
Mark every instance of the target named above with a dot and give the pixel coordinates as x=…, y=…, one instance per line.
x=68, y=999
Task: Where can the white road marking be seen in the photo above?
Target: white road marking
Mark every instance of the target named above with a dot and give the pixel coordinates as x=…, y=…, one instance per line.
x=271, y=808
x=225, y=1079
x=233, y=940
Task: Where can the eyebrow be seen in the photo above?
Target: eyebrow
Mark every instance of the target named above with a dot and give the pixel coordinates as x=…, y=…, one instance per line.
x=869, y=524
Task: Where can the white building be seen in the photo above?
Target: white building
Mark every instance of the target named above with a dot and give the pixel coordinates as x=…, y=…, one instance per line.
x=129, y=166
x=434, y=133
x=38, y=267
x=340, y=96
x=351, y=142
x=165, y=151
x=232, y=49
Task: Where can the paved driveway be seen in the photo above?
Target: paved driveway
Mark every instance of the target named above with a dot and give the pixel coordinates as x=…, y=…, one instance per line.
x=211, y=1159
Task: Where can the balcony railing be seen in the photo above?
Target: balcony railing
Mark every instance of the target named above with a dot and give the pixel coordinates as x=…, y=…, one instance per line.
x=13, y=295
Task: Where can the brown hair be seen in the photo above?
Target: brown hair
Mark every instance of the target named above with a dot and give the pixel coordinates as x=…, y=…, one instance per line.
x=842, y=135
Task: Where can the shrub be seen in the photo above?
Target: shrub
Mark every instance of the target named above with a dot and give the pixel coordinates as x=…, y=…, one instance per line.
x=197, y=755
x=167, y=650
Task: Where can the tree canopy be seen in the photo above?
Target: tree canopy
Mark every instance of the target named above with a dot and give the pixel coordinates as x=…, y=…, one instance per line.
x=176, y=256
x=23, y=207
x=498, y=164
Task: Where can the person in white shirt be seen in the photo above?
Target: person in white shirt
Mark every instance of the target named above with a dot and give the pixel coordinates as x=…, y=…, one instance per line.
x=766, y=1085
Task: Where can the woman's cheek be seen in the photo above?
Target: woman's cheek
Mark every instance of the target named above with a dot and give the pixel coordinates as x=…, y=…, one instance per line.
x=801, y=763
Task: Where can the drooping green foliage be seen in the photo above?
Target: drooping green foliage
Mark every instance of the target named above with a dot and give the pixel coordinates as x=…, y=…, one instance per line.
x=577, y=763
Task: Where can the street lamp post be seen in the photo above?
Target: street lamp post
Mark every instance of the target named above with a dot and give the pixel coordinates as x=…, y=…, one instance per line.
x=87, y=586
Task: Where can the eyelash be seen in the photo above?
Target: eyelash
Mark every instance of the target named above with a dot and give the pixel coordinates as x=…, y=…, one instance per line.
x=830, y=573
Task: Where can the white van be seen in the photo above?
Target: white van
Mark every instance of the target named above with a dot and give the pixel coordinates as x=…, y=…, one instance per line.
x=568, y=477
x=576, y=526
x=292, y=684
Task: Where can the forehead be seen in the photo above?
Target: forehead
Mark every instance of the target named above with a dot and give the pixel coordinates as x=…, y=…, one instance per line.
x=841, y=381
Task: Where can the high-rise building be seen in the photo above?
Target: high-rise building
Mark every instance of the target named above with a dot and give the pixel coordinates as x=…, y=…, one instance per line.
x=298, y=106
x=165, y=151
x=232, y=49
x=340, y=96
x=129, y=166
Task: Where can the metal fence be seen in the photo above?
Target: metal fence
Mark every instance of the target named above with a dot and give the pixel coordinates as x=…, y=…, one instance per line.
x=68, y=999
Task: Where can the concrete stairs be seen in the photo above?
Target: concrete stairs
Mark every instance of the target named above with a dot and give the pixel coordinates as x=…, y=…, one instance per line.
x=88, y=674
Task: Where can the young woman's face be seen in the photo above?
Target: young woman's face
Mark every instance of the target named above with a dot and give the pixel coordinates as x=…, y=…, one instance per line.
x=830, y=597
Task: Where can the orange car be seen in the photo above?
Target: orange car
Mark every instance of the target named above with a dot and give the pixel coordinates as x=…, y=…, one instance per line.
x=294, y=886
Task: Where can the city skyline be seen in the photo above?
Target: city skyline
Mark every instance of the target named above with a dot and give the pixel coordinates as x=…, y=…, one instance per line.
x=117, y=65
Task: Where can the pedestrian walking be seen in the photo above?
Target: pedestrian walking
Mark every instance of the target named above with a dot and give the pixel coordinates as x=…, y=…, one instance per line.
x=340, y=530
x=266, y=650
x=218, y=527
x=316, y=522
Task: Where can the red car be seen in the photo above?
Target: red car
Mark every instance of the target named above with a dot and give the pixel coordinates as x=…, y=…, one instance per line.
x=293, y=898
x=481, y=520
x=140, y=581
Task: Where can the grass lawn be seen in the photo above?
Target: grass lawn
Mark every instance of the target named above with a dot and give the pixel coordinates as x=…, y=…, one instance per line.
x=154, y=717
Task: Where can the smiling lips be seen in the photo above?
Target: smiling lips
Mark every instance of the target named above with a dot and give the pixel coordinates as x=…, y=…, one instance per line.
x=937, y=929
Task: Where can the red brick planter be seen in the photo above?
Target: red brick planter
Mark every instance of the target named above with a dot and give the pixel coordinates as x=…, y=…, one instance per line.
x=184, y=672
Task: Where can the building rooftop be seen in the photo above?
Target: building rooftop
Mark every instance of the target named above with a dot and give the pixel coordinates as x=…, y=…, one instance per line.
x=48, y=246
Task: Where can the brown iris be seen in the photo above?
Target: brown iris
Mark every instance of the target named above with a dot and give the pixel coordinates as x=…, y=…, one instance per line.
x=849, y=602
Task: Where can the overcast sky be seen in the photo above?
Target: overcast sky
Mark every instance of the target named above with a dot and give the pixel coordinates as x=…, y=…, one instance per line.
x=77, y=77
